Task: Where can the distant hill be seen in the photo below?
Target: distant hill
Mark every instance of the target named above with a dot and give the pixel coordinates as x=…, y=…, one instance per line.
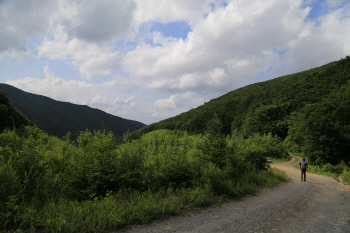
x=57, y=118
x=261, y=107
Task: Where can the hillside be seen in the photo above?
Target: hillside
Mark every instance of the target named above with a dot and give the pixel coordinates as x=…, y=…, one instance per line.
x=237, y=108
x=287, y=107
x=57, y=118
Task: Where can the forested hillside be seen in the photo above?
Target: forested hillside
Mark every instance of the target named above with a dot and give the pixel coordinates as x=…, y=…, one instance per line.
x=57, y=118
x=233, y=107
x=279, y=106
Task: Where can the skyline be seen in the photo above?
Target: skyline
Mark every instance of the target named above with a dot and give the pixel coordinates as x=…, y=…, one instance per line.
x=147, y=60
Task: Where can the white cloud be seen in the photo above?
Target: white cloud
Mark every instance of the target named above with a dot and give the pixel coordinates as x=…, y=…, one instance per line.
x=216, y=54
x=21, y=20
x=93, y=60
x=142, y=72
x=103, y=20
x=176, y=104
x=79, y=92
x=328, y=41
x=98, y=99
x=70, y=30
x=172, y=10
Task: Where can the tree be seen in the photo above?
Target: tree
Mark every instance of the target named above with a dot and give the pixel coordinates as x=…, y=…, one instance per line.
x=323, y=129
x=214, y=144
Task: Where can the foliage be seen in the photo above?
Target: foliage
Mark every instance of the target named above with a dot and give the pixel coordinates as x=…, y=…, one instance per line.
x=341, y=170
x=323, y=129
x=214, y=143
x=273, y=114
x=163, y=172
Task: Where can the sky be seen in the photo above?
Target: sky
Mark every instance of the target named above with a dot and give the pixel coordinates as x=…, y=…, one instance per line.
x=149, y=60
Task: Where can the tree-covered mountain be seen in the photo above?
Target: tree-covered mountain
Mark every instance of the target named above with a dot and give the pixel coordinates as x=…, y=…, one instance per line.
x=234, y=107
x=57, y=118
x=280, y=106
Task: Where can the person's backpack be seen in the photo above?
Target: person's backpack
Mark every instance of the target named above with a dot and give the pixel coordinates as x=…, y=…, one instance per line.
x=303, y=165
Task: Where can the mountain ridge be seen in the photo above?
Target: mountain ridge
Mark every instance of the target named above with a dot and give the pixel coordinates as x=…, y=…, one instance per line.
x=59, y=117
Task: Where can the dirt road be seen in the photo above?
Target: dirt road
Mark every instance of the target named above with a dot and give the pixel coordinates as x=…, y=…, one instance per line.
x=319, y=205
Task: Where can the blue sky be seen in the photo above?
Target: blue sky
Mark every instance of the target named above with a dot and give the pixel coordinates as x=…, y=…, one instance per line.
x=148, y=60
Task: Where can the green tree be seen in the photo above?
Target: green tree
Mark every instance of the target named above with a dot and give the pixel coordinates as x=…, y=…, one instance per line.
x=214, y=146
x=323, y=129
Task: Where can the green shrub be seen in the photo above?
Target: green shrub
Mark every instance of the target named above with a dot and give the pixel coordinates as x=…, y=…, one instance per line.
x=85, y=183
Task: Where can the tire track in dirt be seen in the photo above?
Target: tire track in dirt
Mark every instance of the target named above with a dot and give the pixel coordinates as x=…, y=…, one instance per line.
x=319, y=205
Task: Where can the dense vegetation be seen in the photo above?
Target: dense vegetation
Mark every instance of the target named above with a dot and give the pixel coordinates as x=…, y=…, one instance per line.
x=94, y=184
x=57, y=118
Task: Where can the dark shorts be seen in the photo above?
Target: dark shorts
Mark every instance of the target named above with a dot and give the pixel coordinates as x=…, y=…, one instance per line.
x=303, y=174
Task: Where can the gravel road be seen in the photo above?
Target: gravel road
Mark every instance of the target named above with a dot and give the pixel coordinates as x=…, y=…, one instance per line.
x=319, y=205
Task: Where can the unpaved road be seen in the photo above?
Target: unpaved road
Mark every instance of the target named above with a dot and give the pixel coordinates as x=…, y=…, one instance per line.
x=319, y=205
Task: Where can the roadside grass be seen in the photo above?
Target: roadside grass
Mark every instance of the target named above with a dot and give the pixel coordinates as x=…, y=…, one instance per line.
x=281, y=160
x=113, y=211
x=118, y=210
x=346, y=177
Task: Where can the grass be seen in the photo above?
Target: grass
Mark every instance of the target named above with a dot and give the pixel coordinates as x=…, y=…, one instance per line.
x=346, y=177
x=281, y=160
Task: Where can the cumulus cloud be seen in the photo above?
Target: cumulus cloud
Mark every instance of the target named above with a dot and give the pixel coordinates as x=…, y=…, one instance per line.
x=21, y=20
x=172, y=10
x=70, y=30
x=213, y=56
x=92, y=60
x=176, y=104
x=103, y=20
x=79, y=92
x=229, y=44
x=320, y=43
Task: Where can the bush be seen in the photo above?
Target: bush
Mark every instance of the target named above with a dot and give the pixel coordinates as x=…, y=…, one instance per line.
x=164, y=168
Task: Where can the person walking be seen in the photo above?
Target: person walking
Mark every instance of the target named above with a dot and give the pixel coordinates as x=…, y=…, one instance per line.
x=303, y=168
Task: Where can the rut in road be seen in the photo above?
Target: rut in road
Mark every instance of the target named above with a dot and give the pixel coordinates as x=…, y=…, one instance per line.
x=319, y=205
